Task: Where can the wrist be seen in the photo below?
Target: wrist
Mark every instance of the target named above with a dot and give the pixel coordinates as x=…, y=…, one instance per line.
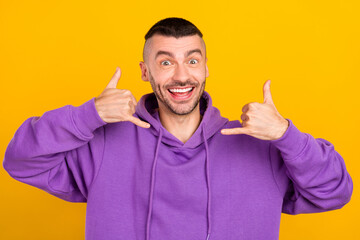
x=282, y=129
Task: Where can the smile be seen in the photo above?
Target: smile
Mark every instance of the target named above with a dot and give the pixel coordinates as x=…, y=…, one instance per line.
x=181, y=93
x=180, y=90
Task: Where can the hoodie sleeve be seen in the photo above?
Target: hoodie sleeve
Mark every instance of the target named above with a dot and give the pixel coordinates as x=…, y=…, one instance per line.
x=318, y=177
x=59, y=152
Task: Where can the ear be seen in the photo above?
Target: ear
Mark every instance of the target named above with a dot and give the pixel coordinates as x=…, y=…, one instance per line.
x=206, y=68
x=144, y=72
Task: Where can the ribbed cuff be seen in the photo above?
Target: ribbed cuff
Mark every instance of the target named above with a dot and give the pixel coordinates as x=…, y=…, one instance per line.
x=292, y=142
x=86, y=118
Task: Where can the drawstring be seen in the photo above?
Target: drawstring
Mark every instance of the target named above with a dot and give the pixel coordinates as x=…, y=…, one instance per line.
x=153, y=180
x=208, y=183
x=152, y=186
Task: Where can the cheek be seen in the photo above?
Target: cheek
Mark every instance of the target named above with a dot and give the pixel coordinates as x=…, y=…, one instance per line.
x=199, y=74
x=162, y=76
x=158, y=81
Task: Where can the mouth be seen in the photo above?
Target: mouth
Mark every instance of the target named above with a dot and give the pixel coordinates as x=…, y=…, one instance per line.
x=182, y=93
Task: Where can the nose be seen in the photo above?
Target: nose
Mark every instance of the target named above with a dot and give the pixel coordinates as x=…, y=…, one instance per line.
x=181, y=73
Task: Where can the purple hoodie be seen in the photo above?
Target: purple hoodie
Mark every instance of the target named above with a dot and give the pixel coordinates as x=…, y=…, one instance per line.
x=146, y=184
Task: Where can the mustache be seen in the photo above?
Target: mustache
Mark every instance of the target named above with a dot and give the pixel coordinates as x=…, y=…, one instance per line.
x=181, y=84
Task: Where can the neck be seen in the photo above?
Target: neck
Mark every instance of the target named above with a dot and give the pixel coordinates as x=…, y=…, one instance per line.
x=181, y=126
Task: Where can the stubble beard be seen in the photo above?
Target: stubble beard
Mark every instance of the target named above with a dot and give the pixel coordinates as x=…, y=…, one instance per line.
x=166, y=102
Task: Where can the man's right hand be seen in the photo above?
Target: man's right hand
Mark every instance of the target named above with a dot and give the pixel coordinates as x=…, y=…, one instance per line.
x=117, y=105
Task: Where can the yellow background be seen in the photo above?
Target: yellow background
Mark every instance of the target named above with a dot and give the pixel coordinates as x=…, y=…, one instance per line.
x=54, y=53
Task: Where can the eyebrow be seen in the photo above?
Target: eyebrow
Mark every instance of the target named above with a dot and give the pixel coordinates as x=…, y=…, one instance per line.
x=197, y=50
x=163, y=53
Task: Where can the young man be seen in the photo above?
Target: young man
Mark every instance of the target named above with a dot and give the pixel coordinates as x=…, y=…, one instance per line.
x=170, y=166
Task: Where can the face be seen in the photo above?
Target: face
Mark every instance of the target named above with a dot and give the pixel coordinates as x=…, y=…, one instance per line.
x=177, y=70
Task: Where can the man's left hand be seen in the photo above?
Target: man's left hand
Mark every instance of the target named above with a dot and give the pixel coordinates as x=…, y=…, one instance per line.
x=261, y=120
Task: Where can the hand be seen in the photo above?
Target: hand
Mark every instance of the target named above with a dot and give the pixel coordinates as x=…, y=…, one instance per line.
x=117, y=105
x=261, y=120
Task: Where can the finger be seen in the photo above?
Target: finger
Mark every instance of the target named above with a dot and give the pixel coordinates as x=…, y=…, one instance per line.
x=233, y=131
x=115, y=78
x=245, y=108
x=138, y=122
x=132, y=107
x=129, y=96
x=244, y=117
x=267, y=93
x=134, y=100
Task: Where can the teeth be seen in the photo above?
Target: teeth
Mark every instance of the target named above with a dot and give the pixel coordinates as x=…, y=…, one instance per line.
x=180, y=90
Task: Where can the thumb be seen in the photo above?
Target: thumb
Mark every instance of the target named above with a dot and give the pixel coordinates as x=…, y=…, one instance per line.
x=267, y=93
x=233, y=131
x=115, y=78
x=138, y=122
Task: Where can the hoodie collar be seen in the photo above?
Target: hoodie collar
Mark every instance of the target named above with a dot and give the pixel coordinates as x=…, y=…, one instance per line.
x=146, y=110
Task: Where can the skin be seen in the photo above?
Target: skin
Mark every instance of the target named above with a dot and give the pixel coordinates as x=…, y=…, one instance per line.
x=117, y=105
x=261, y=120
x=180, y=63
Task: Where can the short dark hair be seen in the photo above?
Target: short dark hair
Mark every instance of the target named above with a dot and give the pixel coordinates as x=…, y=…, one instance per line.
x=173, y=27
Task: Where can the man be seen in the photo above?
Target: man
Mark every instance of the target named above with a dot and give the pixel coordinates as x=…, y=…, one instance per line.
x=170, y=166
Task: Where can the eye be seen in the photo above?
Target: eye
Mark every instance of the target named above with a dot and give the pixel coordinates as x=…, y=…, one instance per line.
x=193, y=61
x=165, y=63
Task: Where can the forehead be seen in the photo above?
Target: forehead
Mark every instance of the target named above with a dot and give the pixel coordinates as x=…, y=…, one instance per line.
x=174, y=45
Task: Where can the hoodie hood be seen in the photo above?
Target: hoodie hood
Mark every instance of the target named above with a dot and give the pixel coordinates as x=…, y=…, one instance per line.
x=211, y=123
